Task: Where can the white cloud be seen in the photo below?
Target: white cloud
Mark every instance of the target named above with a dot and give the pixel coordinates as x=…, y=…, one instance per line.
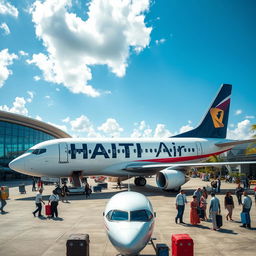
x=82, y=124
x=61, y=127
x=18, y=107
x=48, y=97
x=241, y=131
x=141, y=129
x=39, y=118
x=105, y=38
x=36, y=78
x=162, y=132
x=249, y=117
x=160, y=41
x=238, y=112
x=6, y=59
x=5, y=28
x=22, y=53
x=8, y=9
x=186, y=127
x=57, y=89
x=111, y=127
x=31, y=96
x=66, y=120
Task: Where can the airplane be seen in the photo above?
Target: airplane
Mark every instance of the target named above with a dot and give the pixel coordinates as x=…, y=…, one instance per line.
x=129, y=222
x=168, y=158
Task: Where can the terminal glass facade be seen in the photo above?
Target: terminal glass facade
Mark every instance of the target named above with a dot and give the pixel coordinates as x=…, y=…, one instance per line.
x=16, y=139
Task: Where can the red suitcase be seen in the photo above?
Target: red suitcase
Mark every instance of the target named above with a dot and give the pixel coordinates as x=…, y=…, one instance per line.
x=48, y=210
x=182, y=245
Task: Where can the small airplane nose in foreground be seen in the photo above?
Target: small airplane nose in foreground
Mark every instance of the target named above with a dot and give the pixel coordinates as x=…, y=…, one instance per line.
x=17, y=164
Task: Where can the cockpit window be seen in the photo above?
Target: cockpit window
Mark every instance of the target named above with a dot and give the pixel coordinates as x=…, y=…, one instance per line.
x=39, y=151
x=141, y=215
x=116, y=215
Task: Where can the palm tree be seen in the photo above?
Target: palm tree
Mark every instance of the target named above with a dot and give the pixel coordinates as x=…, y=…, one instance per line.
x=251, y=149
x=215, y=159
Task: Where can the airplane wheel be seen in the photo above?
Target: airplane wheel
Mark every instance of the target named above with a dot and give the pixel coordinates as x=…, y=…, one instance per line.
x=140, y=181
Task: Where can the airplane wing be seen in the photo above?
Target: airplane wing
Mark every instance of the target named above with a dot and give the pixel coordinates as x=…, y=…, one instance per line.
x=234, y=142
x=137, y=167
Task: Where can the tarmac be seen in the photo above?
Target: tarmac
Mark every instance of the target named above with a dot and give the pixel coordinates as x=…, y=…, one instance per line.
x=22, y=234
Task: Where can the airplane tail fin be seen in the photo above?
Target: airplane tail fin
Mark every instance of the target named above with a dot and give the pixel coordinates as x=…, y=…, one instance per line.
x=214, y=124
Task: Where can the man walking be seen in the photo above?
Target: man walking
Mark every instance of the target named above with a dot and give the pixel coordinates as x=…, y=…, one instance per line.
x=198, y=194
x=38, y=201
x=180, y=206
x=247, y=204
x=214, y=210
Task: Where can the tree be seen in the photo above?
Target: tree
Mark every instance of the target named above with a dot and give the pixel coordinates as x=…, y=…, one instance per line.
x=251, y=149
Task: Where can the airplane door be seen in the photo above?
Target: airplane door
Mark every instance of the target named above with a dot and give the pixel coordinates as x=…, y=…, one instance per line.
x=199, y=148
x=63, y=152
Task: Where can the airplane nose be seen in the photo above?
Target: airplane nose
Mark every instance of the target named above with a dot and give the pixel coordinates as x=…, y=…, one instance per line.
x=18, y=164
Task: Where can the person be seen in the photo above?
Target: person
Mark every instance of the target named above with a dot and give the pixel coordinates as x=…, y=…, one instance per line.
x=194, y=217
x=229, y=205
x=2, y=203
x=64, y=191
x=38, y=202
x=247, y=204
x=214, y=185
x=203, y=205
x=118, y=185
x=254, y=194
x=34, y=184
x=181, y=200
x=239, y=191
x=54, y=200
x=214, y=210
x=204, y=193
x=198, y=194
x=218, y=185
x=88, y=190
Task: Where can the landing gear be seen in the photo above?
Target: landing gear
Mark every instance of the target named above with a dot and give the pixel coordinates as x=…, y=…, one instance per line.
x=140, y=181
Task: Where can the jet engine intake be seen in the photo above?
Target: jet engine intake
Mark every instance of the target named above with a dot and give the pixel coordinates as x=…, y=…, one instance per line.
x=169, y=179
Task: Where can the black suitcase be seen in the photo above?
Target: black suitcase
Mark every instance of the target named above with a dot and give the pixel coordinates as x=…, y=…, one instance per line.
x=162, y=250
x=201, y=213
x=22, y=189
x=78, y=245
x=219, y=220
x=103, y=185
x=97, y=188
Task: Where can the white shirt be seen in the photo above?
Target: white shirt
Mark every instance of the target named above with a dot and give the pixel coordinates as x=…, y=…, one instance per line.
x=247, y=202
x=39, y=198
x=54, y=198
x=181, y=199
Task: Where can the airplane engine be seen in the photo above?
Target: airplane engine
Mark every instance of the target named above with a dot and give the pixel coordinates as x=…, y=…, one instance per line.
x=170, y=179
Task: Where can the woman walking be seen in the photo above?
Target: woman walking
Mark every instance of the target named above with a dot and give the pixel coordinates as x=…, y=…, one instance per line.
x=194, y=218
x=229, y=205
x=203, y=204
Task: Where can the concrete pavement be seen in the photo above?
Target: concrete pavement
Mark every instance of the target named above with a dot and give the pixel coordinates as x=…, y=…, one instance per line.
x=22, y=234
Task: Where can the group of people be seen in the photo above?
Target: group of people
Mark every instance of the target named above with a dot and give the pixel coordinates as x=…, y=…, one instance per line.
x=57, y=195
x=198, y=207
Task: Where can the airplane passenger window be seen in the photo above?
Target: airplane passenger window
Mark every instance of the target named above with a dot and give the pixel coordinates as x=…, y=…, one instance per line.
x=146, y=150
x=193, y=150
x=189, y=150
x=116, y=215
x=141, y=215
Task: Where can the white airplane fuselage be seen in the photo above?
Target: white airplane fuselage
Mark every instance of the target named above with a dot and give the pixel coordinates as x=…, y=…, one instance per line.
x=129, y=222
x=61, y=157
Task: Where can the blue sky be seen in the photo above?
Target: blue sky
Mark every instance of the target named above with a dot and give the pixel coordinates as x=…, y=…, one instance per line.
x=127, y=68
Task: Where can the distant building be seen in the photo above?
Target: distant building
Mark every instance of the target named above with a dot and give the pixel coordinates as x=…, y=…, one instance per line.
x=238, y=154
x=17, y=134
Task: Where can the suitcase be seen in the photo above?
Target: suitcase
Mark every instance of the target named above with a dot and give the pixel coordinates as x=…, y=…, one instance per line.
x=48, y=210
x=162, y=250
x=4, y=192
x=182, y=245
x=97, y=188
x=22, y=189
x=103, y=185
x=219, y=220
x=245, y=218
x=201, y=213
x=78, y=245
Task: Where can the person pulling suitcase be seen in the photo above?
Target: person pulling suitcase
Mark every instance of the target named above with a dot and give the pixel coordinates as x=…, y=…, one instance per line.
x=38, y=201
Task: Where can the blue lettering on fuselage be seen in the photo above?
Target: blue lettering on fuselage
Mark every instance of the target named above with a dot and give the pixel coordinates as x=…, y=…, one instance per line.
x=112, y=150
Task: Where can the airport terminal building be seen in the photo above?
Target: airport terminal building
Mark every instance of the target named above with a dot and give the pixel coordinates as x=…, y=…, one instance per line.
x=17, y=134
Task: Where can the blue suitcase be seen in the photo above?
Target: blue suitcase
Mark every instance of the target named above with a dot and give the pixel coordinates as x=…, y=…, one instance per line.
x=162, y=250
x=245, y=218
x=96, y=188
